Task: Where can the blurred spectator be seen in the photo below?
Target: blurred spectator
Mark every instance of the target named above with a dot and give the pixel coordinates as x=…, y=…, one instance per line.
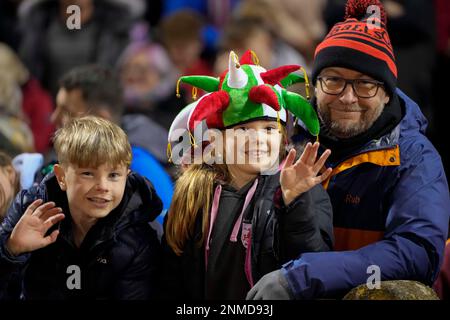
x=136, y=8
x=9, y=186
x=10, y=96
x=9, y=32
x=148, y=78
x=153, y=12
x=9, y=183
x=17, y=133
x=440, y=79
x=16, y=174
x=37, y=105
x=442, y=9
x=297, y=22
x=12, y=126
x=216, y=14
x=255, y=34
x=149, y=11
x=181, y=34
x=49, y=48
x=7, y=146
x=413, y=35
x=96, y=90
x=28, y=165
x=10, y=178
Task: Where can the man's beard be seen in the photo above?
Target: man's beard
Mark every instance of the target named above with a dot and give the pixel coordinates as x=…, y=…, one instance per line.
x=341, y=130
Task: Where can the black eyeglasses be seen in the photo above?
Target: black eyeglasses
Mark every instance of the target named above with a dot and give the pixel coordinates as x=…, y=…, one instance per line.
x=363, y=88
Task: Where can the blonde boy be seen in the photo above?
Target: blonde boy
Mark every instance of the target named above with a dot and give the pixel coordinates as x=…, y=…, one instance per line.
x=84, y=232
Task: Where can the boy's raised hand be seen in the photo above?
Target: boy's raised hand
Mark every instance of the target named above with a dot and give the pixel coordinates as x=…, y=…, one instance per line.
x=297, y=178
x=29, y=233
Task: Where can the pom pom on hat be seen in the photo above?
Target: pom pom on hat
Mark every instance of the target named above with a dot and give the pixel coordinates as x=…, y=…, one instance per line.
x=357, y=9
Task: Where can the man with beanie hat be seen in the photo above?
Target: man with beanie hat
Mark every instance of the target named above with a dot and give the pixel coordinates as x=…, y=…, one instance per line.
x=388, y=188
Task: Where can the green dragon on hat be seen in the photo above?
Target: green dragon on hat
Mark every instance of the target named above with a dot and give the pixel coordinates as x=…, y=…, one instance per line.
x=245, y=92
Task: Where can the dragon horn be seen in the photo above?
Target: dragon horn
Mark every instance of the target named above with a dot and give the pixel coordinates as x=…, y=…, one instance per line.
x=237, y=78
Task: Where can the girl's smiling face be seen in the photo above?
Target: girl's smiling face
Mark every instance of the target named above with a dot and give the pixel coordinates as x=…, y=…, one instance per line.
x=253, y=148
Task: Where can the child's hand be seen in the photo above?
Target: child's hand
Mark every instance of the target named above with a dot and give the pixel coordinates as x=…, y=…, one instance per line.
x=302, y=176
x=29, y=233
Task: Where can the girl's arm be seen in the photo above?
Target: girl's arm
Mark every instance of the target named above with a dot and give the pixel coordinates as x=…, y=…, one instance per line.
x=303, y=209
x=305, y=225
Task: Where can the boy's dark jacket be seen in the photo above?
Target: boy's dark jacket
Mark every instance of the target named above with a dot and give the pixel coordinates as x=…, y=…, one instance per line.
x=279, y=234
x=118, y=259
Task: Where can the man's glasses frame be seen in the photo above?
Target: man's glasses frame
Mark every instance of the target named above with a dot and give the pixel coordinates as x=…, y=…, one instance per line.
x=355, y=83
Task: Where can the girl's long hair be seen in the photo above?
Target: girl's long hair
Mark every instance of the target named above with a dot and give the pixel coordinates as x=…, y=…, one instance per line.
x=194, y=192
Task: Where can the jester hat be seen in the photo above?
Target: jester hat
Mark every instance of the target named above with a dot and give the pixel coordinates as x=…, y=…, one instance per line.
x=246, y=92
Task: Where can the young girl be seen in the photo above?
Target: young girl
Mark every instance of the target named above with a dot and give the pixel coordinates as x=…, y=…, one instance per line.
x=230, y=224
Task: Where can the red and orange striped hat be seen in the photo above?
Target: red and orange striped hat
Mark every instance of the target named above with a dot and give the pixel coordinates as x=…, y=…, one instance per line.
x=360, y=43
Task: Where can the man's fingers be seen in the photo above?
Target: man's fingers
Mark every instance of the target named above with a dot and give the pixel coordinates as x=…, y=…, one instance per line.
x=43, y=208
x=33, y=206
x=321, y=162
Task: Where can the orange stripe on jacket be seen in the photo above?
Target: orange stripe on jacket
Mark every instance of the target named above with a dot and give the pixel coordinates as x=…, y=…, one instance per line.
x=383, y=157
x=353, y=239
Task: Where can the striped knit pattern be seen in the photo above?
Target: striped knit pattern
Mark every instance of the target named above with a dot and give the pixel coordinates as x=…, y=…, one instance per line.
x=359, y=45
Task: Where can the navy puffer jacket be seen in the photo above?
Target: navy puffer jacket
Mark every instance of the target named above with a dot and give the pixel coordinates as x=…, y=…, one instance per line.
x=118, y=259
